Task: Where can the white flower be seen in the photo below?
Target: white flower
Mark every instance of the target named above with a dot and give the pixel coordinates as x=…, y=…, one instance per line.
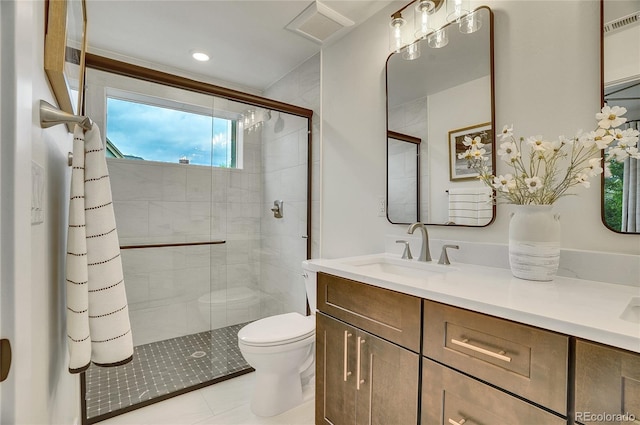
x=602, y=138
x=556, y=145
x=478, y=153
x=583, y=179
x=611, y=116
x=617, y=154
x=506, y=132
x=631, y=135
x=504, y=183
x=475, y=142
x=633, y=152
x=533, y=183
x=594, y=168
x=465, y=155
x=508, y=151
x=537, y=143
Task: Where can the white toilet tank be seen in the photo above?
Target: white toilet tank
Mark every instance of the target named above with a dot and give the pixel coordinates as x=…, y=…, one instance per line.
x=311, y=283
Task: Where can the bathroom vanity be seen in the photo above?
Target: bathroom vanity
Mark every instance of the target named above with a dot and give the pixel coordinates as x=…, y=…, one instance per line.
x=400, y=342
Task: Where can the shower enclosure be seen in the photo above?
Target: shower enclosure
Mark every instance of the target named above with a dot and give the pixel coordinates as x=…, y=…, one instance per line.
x=194, y=177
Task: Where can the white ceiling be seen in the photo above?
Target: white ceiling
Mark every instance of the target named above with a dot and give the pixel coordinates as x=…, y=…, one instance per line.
x=247, y=40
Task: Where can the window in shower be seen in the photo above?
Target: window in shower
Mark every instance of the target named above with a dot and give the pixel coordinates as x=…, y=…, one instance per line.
x=142, y=127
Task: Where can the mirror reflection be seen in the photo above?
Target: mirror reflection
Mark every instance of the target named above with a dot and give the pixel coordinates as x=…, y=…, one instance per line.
x=402, y=178
x=621, y=87
x=439, y=96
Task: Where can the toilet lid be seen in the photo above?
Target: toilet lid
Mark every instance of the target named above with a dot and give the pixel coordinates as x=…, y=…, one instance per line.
x=278, y=330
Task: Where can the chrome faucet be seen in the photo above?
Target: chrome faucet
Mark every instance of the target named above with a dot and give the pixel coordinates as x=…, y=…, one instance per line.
x=425, y=255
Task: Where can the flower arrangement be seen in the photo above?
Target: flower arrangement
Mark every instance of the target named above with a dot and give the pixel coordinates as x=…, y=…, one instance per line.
x=539, y=176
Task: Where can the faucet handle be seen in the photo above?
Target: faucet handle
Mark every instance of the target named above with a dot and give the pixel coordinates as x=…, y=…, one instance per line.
x=444, y=258
x=406, y=254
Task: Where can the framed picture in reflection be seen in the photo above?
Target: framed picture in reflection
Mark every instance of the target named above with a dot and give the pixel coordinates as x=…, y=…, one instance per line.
x=459, y=168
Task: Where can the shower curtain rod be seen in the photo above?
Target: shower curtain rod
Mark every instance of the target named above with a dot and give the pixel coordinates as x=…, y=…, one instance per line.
x=50, y=116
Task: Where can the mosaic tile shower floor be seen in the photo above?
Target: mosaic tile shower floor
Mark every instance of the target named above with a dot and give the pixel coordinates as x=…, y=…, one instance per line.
x=163, y=367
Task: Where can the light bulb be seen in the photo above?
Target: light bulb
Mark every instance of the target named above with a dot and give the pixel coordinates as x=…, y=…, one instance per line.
x=438, y=39
x=456, y=9
x=396, y=39
x=411, y=52
x=421, y=17
x=470, y=23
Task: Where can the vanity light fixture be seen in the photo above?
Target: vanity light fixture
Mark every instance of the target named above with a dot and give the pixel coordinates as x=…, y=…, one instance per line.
x=411, y=52
x=400, y=39
x=470, y=23
x=456, y=9
x=421, y=17
x=397, y=38
x=438, y=39
x=199, y=56
x=254, y=119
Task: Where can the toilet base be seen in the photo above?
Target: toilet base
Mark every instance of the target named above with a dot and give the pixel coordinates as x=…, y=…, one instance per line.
x=275, y=393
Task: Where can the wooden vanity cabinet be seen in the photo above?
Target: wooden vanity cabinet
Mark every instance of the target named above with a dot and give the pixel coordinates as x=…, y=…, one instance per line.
x=452, y=398
x=521, y=359
x=362, y=379
x=607, y=382
x=366, y=369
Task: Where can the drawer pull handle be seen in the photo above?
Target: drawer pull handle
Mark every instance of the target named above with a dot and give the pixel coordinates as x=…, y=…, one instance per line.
x=358, y=380
x=452, y=422
x=346, y=356
x=465, y=343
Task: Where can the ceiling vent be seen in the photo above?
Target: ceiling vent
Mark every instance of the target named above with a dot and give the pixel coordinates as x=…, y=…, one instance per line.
x=620, y=23
x=319, y=23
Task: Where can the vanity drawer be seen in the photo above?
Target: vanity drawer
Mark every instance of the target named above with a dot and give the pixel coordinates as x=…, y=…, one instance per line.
x=521, y=359
x=451, y=398
x=607, y=382
x=391, y=315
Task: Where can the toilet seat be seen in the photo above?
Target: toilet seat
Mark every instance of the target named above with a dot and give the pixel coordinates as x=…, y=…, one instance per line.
x=277, y=330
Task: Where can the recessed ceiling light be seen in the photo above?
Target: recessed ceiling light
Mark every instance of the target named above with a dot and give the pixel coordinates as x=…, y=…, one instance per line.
x=200, y=56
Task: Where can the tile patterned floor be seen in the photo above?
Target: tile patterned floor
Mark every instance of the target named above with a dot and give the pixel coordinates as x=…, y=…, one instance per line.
x=163, y=367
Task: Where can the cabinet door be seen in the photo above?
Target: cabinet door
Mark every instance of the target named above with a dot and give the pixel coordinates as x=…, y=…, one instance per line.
x=388, y=382
x=335, y=372
x=607, y=385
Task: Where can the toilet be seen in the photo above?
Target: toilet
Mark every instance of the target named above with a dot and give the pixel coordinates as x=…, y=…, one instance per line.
x=281, y=349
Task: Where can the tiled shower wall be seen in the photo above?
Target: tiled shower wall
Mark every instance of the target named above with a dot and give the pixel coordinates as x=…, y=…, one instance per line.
x=285, y=177
x=164, y=203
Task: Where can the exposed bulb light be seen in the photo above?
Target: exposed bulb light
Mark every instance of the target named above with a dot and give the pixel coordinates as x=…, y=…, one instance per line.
x=456, y=9
x=254, y=119
x=412, y=51
x=438, y=39
x=470, y=23
x=200, y=56
x=396, y=35
x=421, y=18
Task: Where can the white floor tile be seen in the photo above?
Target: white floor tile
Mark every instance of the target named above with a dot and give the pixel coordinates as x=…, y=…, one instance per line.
x=226, y=403
x=185, y=409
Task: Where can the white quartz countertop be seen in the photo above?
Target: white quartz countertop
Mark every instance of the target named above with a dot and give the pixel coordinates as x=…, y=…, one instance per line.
x=596, y=311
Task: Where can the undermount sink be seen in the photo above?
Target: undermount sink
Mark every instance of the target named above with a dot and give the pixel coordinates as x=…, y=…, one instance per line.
x=386, y=265
x=632, y=312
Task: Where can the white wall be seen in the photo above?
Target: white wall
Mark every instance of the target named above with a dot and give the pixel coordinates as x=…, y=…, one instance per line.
x=39, y=389
x=547, y=81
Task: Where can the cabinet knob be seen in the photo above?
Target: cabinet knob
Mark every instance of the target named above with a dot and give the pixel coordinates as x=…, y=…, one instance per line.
x=452, y=422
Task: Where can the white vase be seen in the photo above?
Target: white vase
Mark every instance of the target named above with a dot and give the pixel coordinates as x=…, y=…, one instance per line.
x=534, y=242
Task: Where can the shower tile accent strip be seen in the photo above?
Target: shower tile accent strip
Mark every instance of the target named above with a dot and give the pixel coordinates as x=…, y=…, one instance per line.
x=163, y=367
